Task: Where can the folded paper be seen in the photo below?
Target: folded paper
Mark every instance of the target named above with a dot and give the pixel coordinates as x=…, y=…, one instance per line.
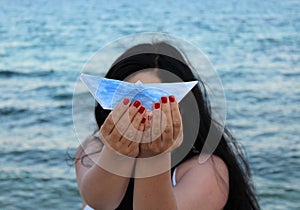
x=109, y=92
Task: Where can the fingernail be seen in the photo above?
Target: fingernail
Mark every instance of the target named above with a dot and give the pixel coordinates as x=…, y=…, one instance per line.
x=172, y=98
x=164, y=99
x=143, y=120
x=156, y=105
x=136, y=104
x=149, y=117
x=141, y=110
x=126, y=101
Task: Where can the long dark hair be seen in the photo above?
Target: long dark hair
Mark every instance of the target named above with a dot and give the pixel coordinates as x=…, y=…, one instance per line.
x=164, y=56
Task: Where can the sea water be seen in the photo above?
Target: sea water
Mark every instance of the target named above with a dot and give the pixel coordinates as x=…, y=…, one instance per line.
x=254, y=45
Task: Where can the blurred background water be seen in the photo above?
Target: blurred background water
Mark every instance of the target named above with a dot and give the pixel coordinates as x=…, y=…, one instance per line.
x=254, y=45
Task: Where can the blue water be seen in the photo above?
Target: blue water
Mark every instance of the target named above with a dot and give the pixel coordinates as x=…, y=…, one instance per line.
x=254, y=45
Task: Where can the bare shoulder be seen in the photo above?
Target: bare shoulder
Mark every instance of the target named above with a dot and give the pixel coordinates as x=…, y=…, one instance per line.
x=205, y=184
x=86, y=155
x=214, y=165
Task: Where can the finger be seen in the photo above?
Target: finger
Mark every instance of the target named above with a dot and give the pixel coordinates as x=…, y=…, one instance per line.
x=124, y=122
x=166, y=120
x=133, y=149
x=138, y=134
x=138, y=118
x=176, y=117
x=146, y=134
x=142, y=124
x=134, y=108
x=114, y=116
x=155, y=122
x=146, y=138
x=130, y=133
x=179, y=139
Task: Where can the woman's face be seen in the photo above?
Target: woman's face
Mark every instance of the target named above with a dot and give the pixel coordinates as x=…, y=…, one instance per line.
x=144, y=76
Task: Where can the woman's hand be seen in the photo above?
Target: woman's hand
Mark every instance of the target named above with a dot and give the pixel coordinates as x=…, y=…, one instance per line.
x=163, y=130
x=122, y=129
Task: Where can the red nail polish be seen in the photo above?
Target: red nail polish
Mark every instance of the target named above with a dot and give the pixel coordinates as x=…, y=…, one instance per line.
x=164, y=99
x=141, y=110
x=143, y=120
x=156, y=105
x=149, y=117
x=126, y=101
x=136, y=104
x=172, y=98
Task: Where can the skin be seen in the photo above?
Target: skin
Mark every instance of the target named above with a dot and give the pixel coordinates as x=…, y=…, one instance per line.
x=199, y=186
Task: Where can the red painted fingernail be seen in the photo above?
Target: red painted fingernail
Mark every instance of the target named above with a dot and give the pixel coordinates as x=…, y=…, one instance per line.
x=164, y=99
x=141, y=110
x=143, y=120
x=156, y=105
x=126, y=101
x=149, y=117
x=136, y=104
x=172, y=98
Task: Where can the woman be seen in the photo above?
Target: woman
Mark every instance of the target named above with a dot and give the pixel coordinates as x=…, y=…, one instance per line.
x=222, y=182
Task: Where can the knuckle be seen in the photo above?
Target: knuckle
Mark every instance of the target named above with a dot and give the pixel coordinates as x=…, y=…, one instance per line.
x=168, y=129
x=114, y=135
x=177, y=123
x=123, y=143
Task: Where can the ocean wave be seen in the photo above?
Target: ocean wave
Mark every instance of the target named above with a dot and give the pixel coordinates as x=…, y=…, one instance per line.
x=12, y=111
x=62, y=96
x=9, y=73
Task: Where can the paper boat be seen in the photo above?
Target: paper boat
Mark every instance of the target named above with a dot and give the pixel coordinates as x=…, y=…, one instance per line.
x=109, y=92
